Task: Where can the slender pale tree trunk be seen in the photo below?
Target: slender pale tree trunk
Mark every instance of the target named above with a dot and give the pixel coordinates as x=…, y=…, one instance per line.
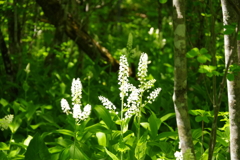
x=180, y=77
x=231, y=16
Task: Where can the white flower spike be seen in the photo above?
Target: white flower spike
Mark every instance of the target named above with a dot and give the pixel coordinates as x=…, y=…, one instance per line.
x=123, y=76
x=76, y=112
x=4, y=123
x=142, y=68
x=76, y=91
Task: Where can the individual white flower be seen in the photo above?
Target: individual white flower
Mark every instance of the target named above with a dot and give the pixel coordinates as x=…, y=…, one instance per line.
x=106, y=103
x=142, y=67
x=153, y=95
x=76, y=90
x=123, y=76
x=178, y=155
x=4, y=123
x=65, y=106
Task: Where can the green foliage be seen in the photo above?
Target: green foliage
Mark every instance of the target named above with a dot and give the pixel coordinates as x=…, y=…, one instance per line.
x=46, y=61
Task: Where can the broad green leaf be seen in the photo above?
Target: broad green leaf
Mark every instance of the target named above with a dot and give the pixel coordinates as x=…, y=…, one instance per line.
x=65, y=132
x=198, y=118
x=3, y=156
x=106, y=117
x=15, y=124
x=140, y=150
x=4, y=146
x=205, y=119
x=192, y=53
x=145, y=125
x=203, y=51
x=167, y=135
x=165, y=147
x=101, y=137
x=167, y=116
x=197, y=133
x=25, y=86
x=56, y=149
x=111, y=154
x=3, y=102
x=75, y=153
x=202, y=59
x=37, y=149
x=230, y=76
x=162, y=1
x=65, y=154
x=154, y=123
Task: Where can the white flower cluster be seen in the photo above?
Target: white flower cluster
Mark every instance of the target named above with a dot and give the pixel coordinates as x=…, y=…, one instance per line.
x=135, y=97
x=77, y=112
x=123, y=76
x=4, y=123
x=178, y=155
x=108, y=104
x=142, y=68
x=153, y=95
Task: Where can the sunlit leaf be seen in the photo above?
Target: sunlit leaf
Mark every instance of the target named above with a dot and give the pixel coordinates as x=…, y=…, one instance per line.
x=65, y=132
x=192, y=53
x=104, y=114
x=3, y=102
x=111, y=154
x=162, y=1
x=37, y=149
x=101, y=137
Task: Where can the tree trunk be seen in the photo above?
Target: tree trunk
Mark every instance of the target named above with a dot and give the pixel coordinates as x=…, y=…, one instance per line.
x=57, y=16
x=230, y=16
x=180, y=77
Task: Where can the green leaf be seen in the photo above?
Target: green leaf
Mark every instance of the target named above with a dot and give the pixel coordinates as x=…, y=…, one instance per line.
x=229, y=29
x=154, y=123
x=167, y=116
x=204, y=58
x=198, y=118
x=3, y=146
x=192, y=53
x=75, y=153
x=65, y=154
x=37, y=149
x=25, y=86
x=203, y=51
x=111, y=154
x=162, y=1
x=140, y=150
x=101, y=137
x=106, y=117
x=205, y=119
x=165, y=147
x=65, y=132
x=3, y=102
x=230, y=76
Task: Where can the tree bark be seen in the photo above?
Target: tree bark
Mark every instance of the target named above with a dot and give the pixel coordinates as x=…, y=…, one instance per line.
x=231, y=16
x=180, y=77
x=57, y=16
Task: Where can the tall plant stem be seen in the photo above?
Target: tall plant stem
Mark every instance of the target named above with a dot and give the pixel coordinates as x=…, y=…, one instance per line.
x=122, y=124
